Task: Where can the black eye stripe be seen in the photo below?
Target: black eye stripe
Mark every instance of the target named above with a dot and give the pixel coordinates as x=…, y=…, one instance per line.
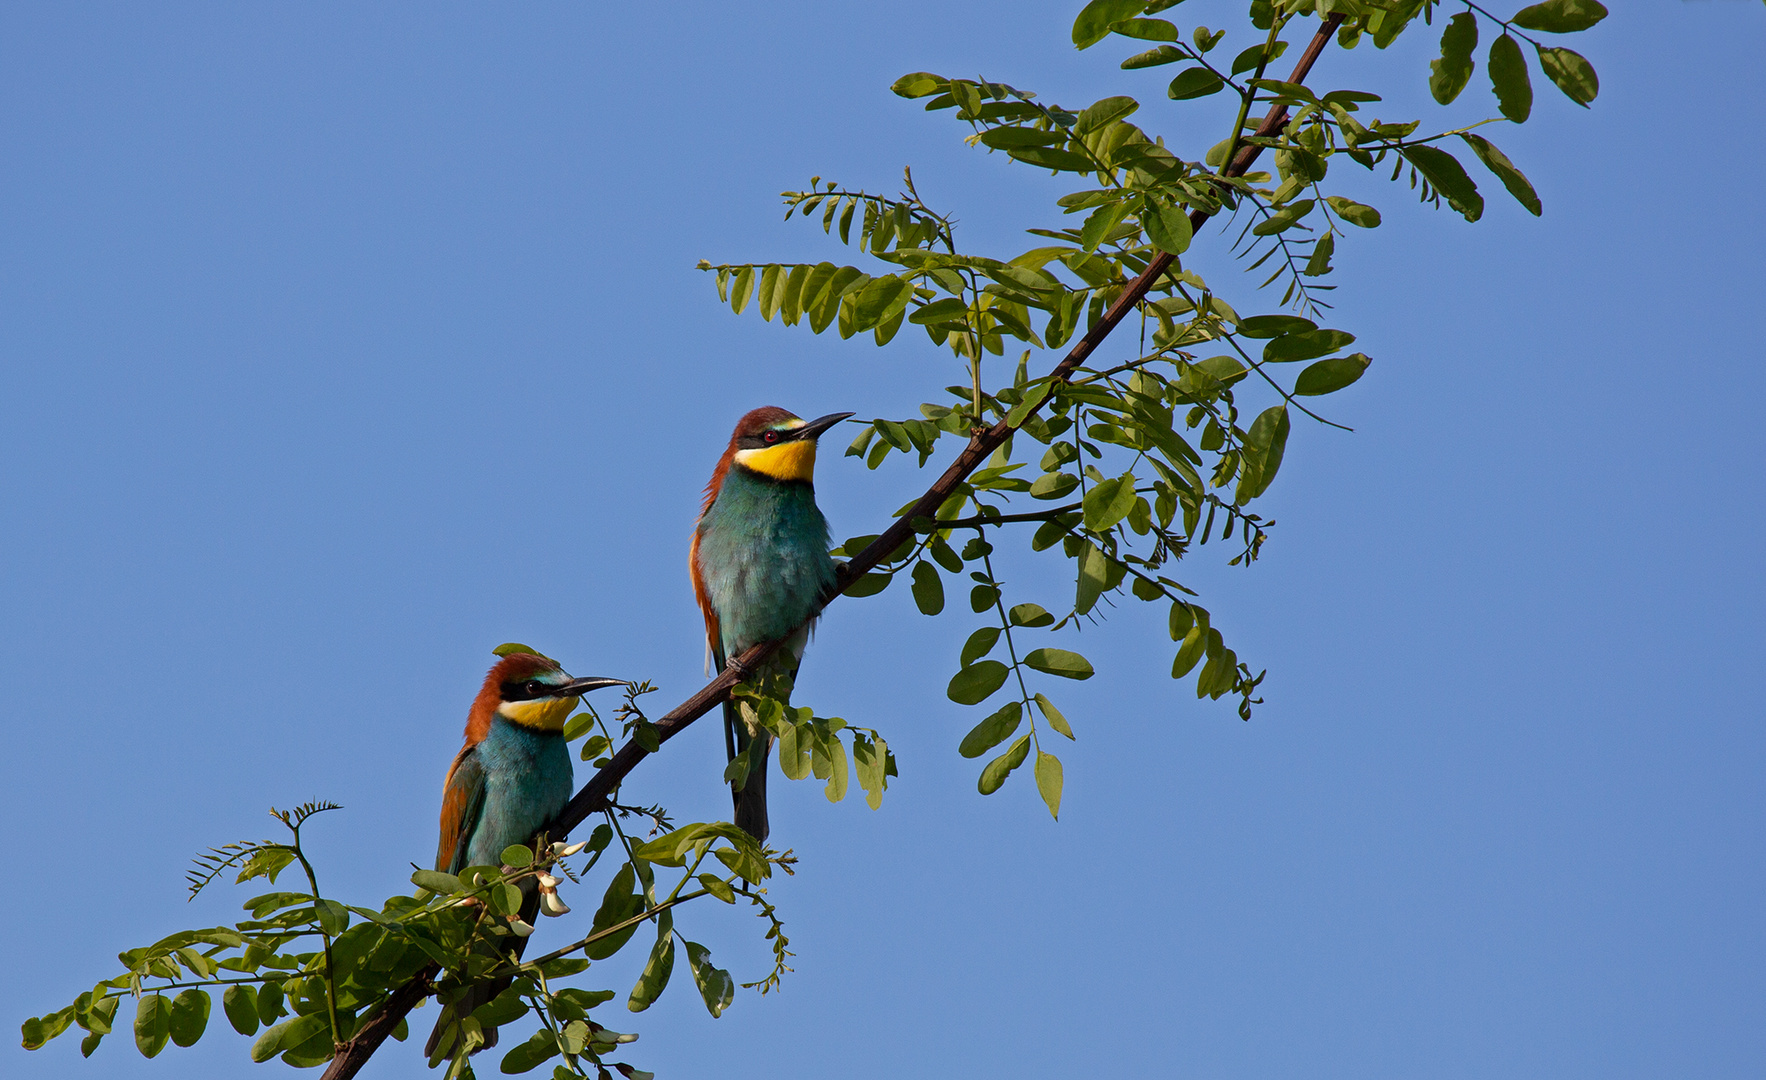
x=527, y=690
x=763, y=440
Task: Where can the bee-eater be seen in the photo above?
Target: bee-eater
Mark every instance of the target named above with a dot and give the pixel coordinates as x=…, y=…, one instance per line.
x=512, y=776
x=760, y=565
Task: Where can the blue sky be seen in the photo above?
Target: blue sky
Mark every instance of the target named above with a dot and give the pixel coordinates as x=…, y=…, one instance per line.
x=342, y=343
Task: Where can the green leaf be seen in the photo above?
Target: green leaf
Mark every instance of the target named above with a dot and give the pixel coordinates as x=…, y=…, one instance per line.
x=1099, y=223
x=977, y=682
x=1248, y=59
x=1005, y=138
x=517, y=855
x=839, y=773
x=1001, y=767
x=1053, y=715
x=928, y=588
x=270, y=1002
x=1305, y=345
x=1108, y=502
x=770, y=293
x=1168, y=227
x=992, y=731
x=1093, y=578
x=1032, y=615
x=1146, y=29
x=1319, y=263
x=1181, y=619
x=1218, y=674
x=40, y=1029
x=566, y=966
x=240, y=1003
x=1047, y=157
x=870, y=760
x=869, y=585
x=1048, y=782
x=1053, y=485
x=1270, y=326
x=1194, y=643
x=1329, y=376
x=1161, y=54
x=153, y=1024
x=716, y=986
x=540, y=1047
x=947, y=558
x=595, y=745
x=1095, y=19
x=794, y=745
x=187, y=1018
x=505, y=899
x=1449, y=75
x=918, y=84
x=1268, y=437
x=506, y=1008
x=981, y=642
x=741, y=289
x=1508, y=78
x=1497, y=162
x=1560, y=16
x=1194, y=83
x=436, y=882
x=576, y=725
x=1448, y=176
x=619, y=903
x=334, y=918
x=1353, y=212
x=1285, y=218
x=1573, y=75
x=1033, y=397
x=654, y=978
x=880, y=300
x=1068, y=665
x=943, y=310
x=288, y=1034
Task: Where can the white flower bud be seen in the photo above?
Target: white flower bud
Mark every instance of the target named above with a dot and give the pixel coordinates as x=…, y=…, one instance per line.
x=551, y=905
x=565, y=851
x=519, y=928
x=548, y=882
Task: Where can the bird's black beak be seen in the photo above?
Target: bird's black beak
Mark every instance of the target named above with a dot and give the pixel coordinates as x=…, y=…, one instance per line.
x=814, y=428
x=579, y=687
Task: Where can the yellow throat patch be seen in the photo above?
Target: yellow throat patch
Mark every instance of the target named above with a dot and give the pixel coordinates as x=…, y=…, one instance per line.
x=786, y=461
x=547, y=714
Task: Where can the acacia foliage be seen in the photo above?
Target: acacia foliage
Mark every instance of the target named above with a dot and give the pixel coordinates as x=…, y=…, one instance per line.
x=1127, y=464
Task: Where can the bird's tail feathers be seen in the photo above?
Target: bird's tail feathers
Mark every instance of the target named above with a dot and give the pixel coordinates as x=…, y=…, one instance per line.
x=750, y=798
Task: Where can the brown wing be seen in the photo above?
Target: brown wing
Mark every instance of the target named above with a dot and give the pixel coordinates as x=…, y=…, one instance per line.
x=713, y=631
x=462, y=803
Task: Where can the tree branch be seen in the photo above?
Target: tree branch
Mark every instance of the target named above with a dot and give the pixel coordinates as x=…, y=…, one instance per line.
x=595, y=795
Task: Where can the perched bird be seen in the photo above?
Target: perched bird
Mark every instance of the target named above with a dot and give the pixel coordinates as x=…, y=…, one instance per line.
x=760, y=564
x=512, y=776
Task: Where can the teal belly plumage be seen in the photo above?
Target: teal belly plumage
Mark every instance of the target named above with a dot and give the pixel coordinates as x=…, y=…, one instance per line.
x=761, y=560
x=527, y=781
x=763, y=556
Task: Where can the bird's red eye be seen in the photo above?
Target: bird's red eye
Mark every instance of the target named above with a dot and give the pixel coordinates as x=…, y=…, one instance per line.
x=772, y=436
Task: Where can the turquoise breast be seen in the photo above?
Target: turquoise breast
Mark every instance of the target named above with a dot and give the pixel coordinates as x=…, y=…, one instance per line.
x=527, y=781
x=763, y=555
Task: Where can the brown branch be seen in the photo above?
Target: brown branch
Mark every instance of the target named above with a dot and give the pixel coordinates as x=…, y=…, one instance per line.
x=352, y=1055
x=595, y=795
